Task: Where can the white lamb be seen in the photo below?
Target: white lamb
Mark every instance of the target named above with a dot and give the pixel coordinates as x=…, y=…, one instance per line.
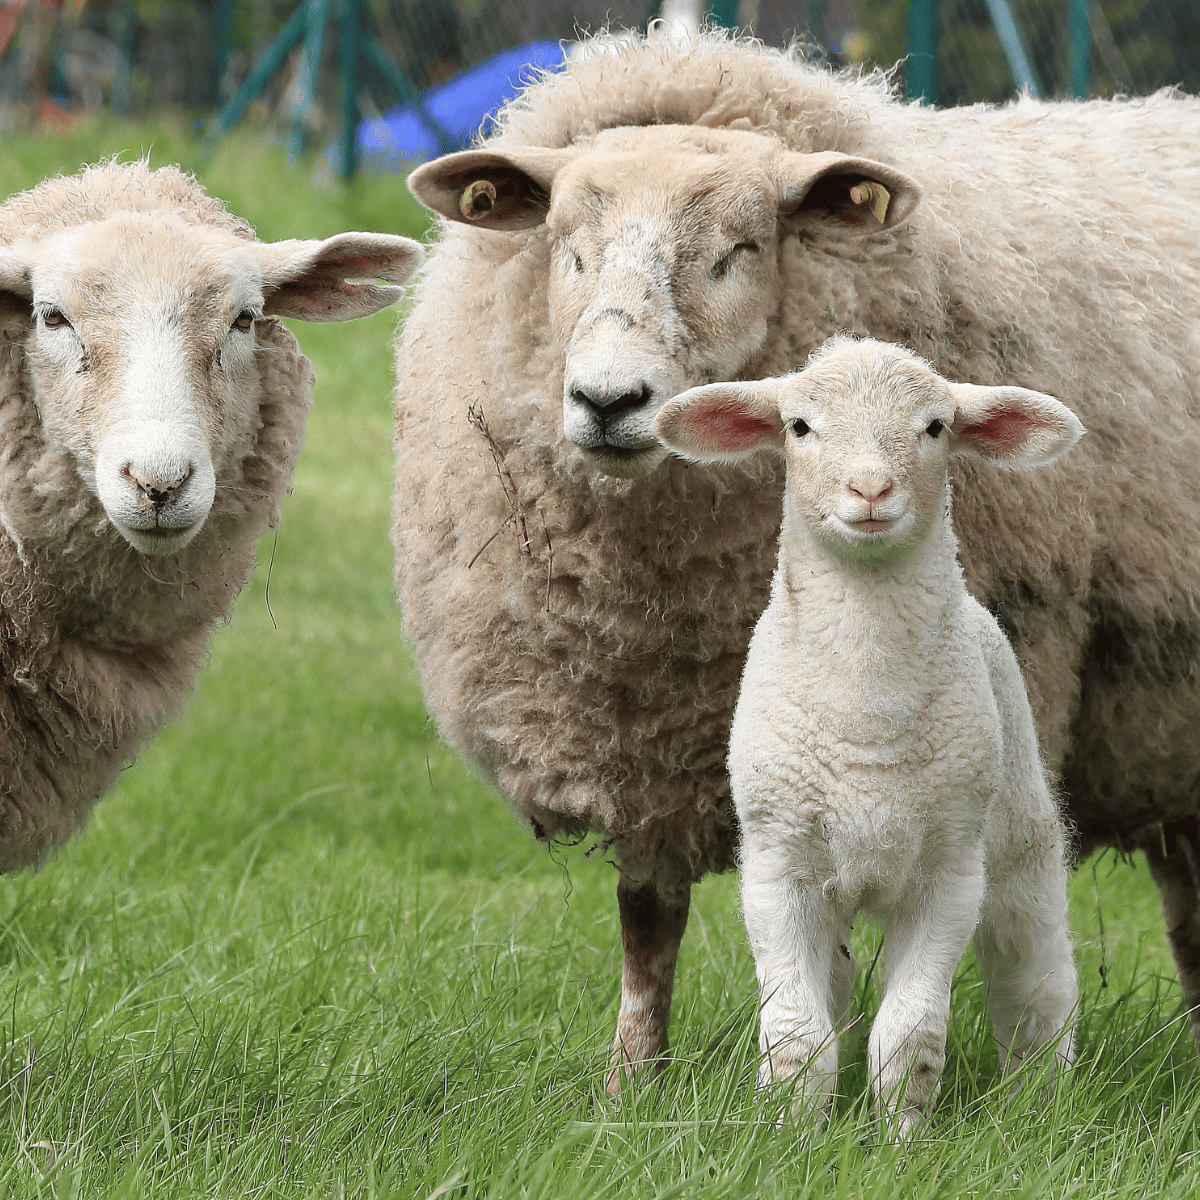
x=883, y=754
x=152, y=407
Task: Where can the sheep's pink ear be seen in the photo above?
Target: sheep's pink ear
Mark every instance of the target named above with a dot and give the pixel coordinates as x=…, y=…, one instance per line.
x=337, y=279
x=722, y=422
x=491, y=189
x=1011, y=426
x=854, y=195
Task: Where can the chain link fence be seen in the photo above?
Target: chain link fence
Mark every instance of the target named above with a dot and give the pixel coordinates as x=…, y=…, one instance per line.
x=142, y=55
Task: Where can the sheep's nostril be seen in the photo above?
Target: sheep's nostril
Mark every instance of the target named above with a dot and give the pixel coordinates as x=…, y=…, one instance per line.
x=607, y=403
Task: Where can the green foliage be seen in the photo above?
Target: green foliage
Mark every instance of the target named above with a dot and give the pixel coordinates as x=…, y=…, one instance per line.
x=302, y=952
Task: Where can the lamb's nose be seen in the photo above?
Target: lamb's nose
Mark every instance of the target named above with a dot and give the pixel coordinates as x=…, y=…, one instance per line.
x=154, y=492
x=871, y=490
x=608, y=402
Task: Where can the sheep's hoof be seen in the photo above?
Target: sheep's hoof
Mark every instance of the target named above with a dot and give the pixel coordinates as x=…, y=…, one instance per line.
x=633, y=1073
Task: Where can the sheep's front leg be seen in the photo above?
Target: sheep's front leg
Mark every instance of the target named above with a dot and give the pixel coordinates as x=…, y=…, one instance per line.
x=651, y=930
x=805, y=975
x=924, y=943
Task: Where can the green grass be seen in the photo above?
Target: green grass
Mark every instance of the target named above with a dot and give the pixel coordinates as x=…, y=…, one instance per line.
x=302, y=951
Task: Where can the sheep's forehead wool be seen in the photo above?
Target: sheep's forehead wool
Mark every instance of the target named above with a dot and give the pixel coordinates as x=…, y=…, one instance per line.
x=133, y=266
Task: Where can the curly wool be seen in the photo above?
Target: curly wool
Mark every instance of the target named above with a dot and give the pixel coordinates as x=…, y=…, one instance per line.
x=99, y=646
x=587, y=657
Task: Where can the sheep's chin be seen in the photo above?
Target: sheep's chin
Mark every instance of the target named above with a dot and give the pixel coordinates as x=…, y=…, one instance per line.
x=624, y=464
x=154, y=541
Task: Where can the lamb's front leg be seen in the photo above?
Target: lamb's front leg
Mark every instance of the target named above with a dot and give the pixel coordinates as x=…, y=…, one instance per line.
x=800, y=963
x=924, y=943
x=651, y=929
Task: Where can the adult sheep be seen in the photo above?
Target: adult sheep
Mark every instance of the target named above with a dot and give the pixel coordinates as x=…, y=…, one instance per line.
x=655, y=217
x=152, y=406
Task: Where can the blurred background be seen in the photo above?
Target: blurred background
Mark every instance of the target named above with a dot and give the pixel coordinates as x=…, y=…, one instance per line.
x=316, y=68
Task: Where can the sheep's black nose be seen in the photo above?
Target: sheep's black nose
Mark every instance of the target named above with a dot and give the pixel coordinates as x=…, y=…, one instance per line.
x=157, y=492
x=607, y=403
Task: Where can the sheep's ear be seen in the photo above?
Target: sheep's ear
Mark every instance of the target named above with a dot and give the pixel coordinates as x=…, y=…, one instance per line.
x=337, y=279
x=722, y=422
x=490, y=189
x=836, y=191
x=16, y=276
x=1011, y=426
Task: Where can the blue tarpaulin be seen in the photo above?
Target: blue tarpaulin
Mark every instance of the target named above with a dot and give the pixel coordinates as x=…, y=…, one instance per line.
x=460, y=105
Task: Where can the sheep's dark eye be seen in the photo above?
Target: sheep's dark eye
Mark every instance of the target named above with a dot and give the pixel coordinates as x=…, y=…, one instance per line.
x=244, y=319
x=799, y=427
x=52, y=318
x=934, y=428
x=722, y=266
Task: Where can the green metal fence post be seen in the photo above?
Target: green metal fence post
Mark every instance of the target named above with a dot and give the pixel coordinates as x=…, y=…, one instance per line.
x=723, y=12
x=309, y=72
x=254, y=83
x=348, y=70
x=921, y=68
x=1080, y=49
x=816, y=21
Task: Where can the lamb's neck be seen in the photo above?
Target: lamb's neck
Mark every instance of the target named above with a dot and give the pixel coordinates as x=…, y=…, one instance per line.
x=878, y=621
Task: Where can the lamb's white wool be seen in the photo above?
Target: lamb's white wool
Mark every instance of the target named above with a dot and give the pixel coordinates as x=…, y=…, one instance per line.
x=883, y=754
x=151, y=404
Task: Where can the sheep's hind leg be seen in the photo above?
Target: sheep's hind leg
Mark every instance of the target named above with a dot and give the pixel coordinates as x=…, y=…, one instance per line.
x=1172, y=853
x=651, y=929
x=1024, y=951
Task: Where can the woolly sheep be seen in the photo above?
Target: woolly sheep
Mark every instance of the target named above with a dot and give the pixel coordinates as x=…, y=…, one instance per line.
x=666, y=217
x=152, y=407
x=883, y=755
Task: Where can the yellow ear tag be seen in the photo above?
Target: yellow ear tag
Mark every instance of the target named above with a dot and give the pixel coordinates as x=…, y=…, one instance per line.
x=875, y=194
x=477, y=200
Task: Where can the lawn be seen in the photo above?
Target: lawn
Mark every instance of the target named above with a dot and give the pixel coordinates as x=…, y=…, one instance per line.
x=302, y=951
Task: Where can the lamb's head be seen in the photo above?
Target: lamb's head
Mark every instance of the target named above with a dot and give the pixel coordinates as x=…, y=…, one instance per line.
x=664, y=265
x=868, y=430
x=142, y=348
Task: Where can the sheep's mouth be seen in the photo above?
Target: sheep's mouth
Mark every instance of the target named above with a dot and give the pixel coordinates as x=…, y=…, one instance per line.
x=624, y=462
x=159, y=539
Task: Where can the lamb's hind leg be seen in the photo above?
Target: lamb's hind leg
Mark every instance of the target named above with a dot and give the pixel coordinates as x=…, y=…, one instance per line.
x=652, y=927
x=1023, y=946
x=1172, y=853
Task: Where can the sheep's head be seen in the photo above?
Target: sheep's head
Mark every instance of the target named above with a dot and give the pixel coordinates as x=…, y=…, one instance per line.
x=664, y=255
x=142, y=353
x=868, y=430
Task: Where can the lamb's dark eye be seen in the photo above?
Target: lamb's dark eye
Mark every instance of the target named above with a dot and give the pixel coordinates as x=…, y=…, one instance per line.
x=799, y=426
x=52, y=318
x=934, y=428
x=722, y=266
x=244, y=319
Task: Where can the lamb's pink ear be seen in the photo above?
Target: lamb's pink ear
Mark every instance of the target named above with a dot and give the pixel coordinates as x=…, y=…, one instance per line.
x=337, y=279
x=489, y=188
x=853, y=195
x=1011, y=426
x=722, y=422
